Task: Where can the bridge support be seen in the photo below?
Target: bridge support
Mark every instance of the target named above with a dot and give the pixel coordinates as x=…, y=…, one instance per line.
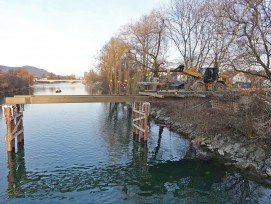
x=140, y=119
x=14, y=121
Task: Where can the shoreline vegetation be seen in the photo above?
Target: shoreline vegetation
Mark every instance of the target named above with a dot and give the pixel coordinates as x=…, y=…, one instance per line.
x=15, y=81
x=18, y=80
x=14, y=90
x=3, y=94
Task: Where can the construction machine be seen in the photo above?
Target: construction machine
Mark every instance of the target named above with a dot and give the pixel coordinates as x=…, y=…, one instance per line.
x=198, y=79
x=204, y=79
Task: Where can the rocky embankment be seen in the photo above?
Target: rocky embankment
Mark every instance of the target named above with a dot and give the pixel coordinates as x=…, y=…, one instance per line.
x=250, y=156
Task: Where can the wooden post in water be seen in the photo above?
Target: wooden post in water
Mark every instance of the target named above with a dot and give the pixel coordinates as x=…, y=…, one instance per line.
x=141, y=121
x=20, y=137
x=8, y=114
x=12, y=122
x=146, y=107
x=134, y=117
x=137, y=116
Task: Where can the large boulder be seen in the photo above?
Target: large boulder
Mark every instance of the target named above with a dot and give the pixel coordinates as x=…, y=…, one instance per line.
x=242, y=152
x=236, y=147
x=228, y=149
x=268, y=171
x=241, y=164
x=259, y=154
x=268, y=162
x=220, y=152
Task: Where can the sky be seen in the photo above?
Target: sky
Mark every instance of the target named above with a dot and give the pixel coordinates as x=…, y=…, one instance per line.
x=63, y=36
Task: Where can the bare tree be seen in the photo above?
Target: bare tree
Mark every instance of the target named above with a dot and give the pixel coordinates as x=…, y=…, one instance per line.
x=190, y=28
x=250, y=22
x=147, y=41
x=221, y=41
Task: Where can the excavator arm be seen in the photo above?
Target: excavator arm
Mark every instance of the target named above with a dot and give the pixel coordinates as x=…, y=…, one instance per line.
x=182, y=69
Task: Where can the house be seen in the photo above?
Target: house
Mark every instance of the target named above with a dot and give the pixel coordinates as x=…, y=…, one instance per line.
x=241, y=80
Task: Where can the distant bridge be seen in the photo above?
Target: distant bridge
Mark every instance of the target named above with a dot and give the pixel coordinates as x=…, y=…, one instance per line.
x=51, y=81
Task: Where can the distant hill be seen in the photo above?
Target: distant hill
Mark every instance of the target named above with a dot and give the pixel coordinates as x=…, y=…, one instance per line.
x=33, y=70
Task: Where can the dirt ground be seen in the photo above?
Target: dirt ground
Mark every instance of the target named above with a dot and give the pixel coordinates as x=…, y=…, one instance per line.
x=253, y=123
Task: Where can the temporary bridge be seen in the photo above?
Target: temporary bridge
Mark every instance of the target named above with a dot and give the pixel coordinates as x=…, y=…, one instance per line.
x=14, y=107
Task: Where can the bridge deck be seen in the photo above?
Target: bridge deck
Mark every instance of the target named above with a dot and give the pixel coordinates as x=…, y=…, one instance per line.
x=44, y=99
x=58, y=80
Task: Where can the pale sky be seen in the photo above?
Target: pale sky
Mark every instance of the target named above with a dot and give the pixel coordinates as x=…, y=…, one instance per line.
x=63, y=36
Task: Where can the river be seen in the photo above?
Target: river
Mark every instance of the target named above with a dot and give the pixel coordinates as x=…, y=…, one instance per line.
x=86, y=153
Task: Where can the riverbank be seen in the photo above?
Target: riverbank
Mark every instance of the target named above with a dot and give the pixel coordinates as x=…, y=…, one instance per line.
x=241, y=139
x=2, y=93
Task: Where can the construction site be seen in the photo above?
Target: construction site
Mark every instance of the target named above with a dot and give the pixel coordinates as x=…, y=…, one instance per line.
x=230, y=119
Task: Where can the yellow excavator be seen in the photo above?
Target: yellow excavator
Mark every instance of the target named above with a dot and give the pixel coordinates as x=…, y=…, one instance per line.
x=198, y=80
x=204, y=79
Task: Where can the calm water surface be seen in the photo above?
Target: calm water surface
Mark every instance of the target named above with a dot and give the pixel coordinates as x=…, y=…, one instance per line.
x=85, y=153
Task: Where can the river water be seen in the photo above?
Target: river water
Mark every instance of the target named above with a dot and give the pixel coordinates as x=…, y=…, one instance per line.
x=86, y=153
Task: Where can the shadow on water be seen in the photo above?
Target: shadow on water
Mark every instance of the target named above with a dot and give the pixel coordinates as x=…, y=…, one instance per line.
x=161, y=129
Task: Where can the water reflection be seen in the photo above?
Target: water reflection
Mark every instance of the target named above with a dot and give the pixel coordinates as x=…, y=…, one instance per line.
x=16, y=172
x=116, y=127
x=92, y=157
x=189, y=181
